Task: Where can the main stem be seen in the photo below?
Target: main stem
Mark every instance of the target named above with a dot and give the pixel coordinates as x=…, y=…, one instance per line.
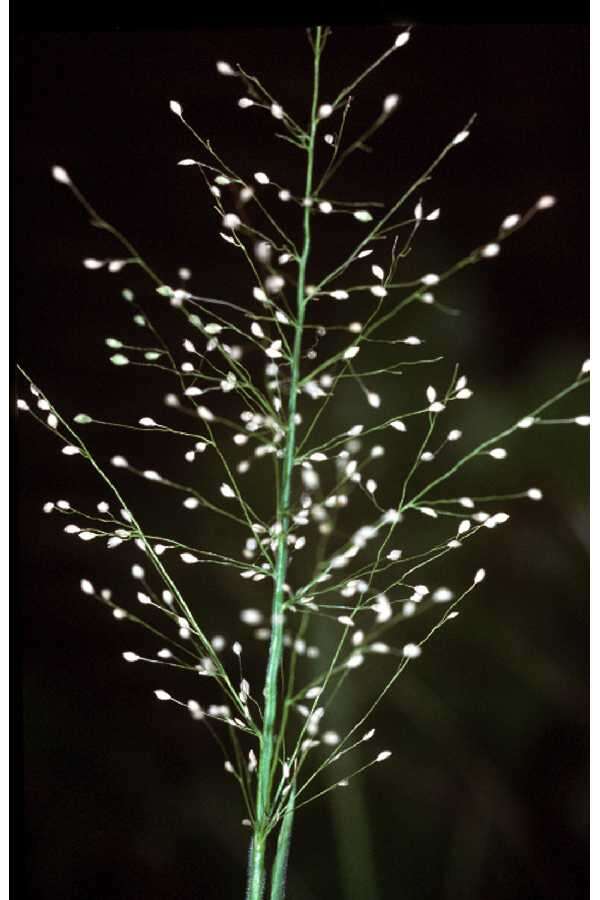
x=267, y=761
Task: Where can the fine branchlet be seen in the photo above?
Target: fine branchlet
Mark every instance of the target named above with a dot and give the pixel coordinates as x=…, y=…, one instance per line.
x=253, y=384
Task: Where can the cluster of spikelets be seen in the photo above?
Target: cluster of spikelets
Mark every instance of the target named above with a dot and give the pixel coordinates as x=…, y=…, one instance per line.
x=365, y=585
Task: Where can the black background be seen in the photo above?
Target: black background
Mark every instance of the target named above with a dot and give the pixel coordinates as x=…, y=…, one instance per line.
x=486, y=794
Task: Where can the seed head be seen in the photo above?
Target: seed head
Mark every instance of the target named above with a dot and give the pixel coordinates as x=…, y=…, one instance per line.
x=460, y=137
x=546, y=202
x=231, y=221
x=390, y=103
x=402, y=39
x=510, y=222
x=59, y=174
x=223, y=68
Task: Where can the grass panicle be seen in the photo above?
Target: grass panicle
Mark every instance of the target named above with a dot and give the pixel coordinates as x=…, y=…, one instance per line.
x=261, y=378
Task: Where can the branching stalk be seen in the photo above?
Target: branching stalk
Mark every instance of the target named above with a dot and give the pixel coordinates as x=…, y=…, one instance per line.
x=362, y=587
x=271, y=710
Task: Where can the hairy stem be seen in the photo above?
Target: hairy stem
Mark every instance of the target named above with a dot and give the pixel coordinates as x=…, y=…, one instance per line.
x=256, y=870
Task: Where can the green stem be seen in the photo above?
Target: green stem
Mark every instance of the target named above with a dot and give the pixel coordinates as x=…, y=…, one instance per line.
x=279, y=871
x=256, y=870
x=268, y=761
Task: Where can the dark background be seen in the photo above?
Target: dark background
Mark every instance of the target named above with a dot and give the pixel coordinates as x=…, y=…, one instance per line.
x=486, y=794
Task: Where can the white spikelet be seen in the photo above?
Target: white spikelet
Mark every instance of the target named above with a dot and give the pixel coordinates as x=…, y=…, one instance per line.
x=460, y=137
x=546, y=202
x=61, y=175
x=390, y=103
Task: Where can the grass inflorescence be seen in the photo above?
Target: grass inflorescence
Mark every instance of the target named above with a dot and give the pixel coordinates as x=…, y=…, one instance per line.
x=275, y=736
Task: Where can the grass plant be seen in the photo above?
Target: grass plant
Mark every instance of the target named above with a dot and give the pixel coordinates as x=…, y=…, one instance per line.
x=262, y=379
